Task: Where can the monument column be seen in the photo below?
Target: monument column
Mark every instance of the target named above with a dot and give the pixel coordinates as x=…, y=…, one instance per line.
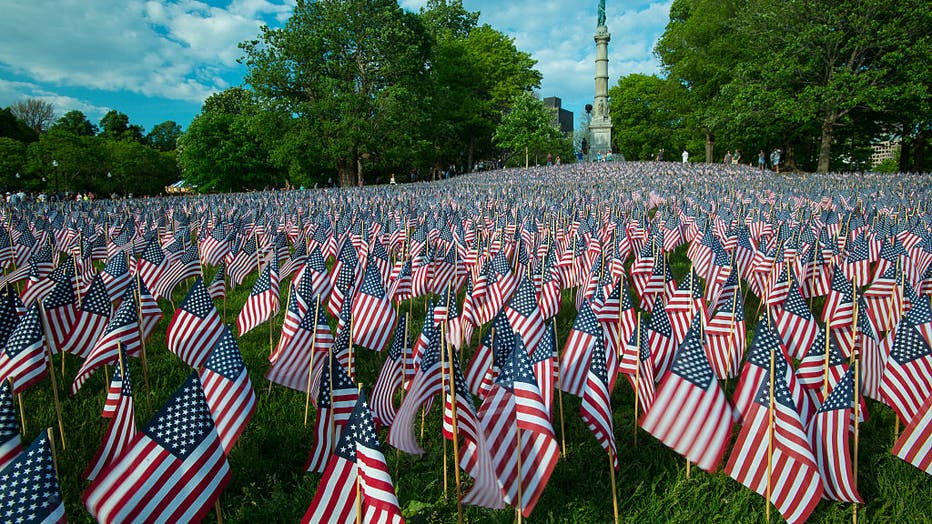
x=600, y=125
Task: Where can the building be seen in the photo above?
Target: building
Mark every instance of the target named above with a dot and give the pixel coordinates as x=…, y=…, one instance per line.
x=563, y=119
x=884, y=150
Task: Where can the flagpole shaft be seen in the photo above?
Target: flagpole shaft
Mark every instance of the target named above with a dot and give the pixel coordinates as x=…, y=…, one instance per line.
x=559, y=389
x=218, y=512
x=520, y=476
x=770, y=432
x=142, y=338
x=443, y=389
x=611, y=469
x=456, y=450
x=310, y=364
x=48, y=354
x=22, y=414
x=637, y=378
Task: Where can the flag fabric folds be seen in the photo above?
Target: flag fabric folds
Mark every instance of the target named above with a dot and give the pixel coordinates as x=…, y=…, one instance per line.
x=29, y=490
x=227, y=389
x=195, y=327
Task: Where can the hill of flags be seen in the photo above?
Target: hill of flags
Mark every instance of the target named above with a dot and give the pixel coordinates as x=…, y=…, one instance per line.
x=496, y=258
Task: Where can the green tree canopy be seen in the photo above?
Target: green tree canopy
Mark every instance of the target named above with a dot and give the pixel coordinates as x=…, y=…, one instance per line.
x=647, y=116
x=164, y=136
x=115, y=126
x=13, y=127
x=76, y=123
x=12, y=159
x=527, y=125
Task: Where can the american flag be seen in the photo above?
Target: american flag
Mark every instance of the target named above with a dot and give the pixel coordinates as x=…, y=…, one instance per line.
x=515, y=403
x=195, y=327
x=642, y=377
x=401, y=287
x=502, y=283
x=660, y=339
x=543, y=360
x=343, y=277
x=811, y=372
x=336, y=398
x=424, y=387
x=121, y=429
x=907, y=374
x=149, y=311
x=91, y=320
x=915, y=444
x=60, y=310
x=496, y=344
x=828, y=435
x=10, y=444
x=574, y=362
x=357, y=461
x=189, y=265
x=29, y=490
x=839, y=305
x=297, y=260
x=173, y=470
x=373, y=315
x=152, y=264
x=218, y=285
x=116, y=275
x=596, y=407
x=23, y=359
x=298, y=298
x=292, y=367
x=122, y=330
x=524, y=314
x=392, y=375
x=215, y=246
x=227, y=389
x=683, y=304
x=726, y=332
x=263, y=301
x=690, y=412
x=794, y=477
x=795, y=323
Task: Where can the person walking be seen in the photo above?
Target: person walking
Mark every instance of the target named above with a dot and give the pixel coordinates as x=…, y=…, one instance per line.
x=761, y=160
x=685, y=156
x=727, y=160
x=775, y=159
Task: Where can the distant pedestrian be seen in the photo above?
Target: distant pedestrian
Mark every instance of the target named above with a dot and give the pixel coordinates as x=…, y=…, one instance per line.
x=685, y=156
x=736, y=158
x=391, y=181
x=761, y=160
x=727, y=157
x=775, y=159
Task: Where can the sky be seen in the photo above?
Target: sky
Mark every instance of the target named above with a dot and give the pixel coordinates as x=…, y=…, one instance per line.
x=158, y=60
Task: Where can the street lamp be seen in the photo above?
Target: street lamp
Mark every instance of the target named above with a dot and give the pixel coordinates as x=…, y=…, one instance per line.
x=55, y=173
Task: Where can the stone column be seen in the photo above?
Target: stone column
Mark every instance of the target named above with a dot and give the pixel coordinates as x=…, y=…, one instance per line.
x=600, y=127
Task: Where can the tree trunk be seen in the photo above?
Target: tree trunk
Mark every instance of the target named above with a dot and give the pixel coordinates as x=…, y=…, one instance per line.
x=709, y=146
x=919, y=153
x=472, y=147
x=526, y=157
x=790, y=161
x=825, y=147
x=347, y=168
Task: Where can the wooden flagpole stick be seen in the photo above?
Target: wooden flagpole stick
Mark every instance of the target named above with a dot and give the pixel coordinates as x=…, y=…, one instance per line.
x=520, y=476
x=900, y=289
x=48, y=433
x=443, y=389
x=857, y=414
x=331, y=421
x=637, y=378
x=770, y=430
x=611, y=469
x=218, y=512
x=310, y=364
x=358, y=483
x=48, y=354
x=22, y=415
x=559, y=390
x=456, y=449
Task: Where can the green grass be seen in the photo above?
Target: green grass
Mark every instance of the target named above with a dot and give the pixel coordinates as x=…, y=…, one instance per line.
x=269, y=484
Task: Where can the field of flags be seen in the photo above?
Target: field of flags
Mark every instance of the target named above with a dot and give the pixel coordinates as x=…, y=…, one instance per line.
x=587, y=343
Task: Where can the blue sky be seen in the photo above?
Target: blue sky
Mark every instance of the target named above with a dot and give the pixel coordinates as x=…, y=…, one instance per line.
x=157, y=60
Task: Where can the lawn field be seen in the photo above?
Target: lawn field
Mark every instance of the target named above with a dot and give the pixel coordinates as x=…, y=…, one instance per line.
x=269, y=484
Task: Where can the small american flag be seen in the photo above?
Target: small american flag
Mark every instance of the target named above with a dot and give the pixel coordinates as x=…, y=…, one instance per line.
x=152, y=264
x=373, y=315
x=121, y=429
x=525, y=315
x=660, y=339
x=828, y=436
x=10, y=444
x=92, y=318
x=60, y=310
x=23, y=359
x=218, y=286
x=907, y=375
x=29, y=490
x=173, y=471
x=596, y=407
x=357, y=460
x=116, y=275
x=391, y=377
x=227, y=389
x=263, y=301
x=335, y=401
x=122, y=331
x=915, y=444
x=690, y=412
x=195, y=327
x=574, y=362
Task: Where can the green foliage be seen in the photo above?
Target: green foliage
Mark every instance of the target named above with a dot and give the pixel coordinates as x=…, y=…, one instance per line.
x=528, y=125
x=164, y=136
x=76, y=123
x=890, y=165
x=61, y=161
x=13, y=127
x=647, y=116
x=12, y=159
x=115, y=126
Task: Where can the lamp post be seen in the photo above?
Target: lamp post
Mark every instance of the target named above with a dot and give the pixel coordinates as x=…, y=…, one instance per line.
x=55, y=174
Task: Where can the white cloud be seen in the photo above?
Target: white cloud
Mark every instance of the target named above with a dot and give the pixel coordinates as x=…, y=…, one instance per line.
x=16, y=91
x=171, y=49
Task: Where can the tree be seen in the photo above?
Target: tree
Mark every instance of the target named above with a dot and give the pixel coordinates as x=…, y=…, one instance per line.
x=12, y=158
x=164, y=136
x=37, y=114
x=76, y=123
x=221, y=151
x=12, y=127
x=346, y=69
x=115, y=126
x=832, y=62
x=646, y=112
x=528, y=124
x=63, y=161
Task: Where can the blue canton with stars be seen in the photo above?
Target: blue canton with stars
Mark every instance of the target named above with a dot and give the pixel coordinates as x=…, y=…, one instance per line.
x=764, y=341
x=691, y=363
x=96, y=300
x=359, y=429
x=9, y=424
x=920, y=313
x=225, y=357
x=842, y=395
x=781, y=392
x=524, y=300
x=399, y=344
x=835, y=357
x=27, y=334
x=909, y=344
x=795, y=304
x=117, y=265
x=372, y=283
x=586, y=321
x=547, y=347
x=29, y=489
x=10, y=305
x=504, y=340
x=198, y=302
x=341, y=380
x=62, y=295
x=597, y=363
x=184, y=421
x=659, y=320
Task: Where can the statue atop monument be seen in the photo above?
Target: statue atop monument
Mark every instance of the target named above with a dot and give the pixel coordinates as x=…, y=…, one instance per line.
x=601, y=14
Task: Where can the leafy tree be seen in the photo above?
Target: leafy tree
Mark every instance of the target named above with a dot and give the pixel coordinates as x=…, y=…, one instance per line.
x=220, y=150
x=13, y=127
x=37, y=114
x=63, y=161
x=647, y=116
x=164, y=136
x=528, y=124
x=76, y=123
x=12, y=158
x=115, y=126
x=135, y=168
x=346, y=69
x=830, y=63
